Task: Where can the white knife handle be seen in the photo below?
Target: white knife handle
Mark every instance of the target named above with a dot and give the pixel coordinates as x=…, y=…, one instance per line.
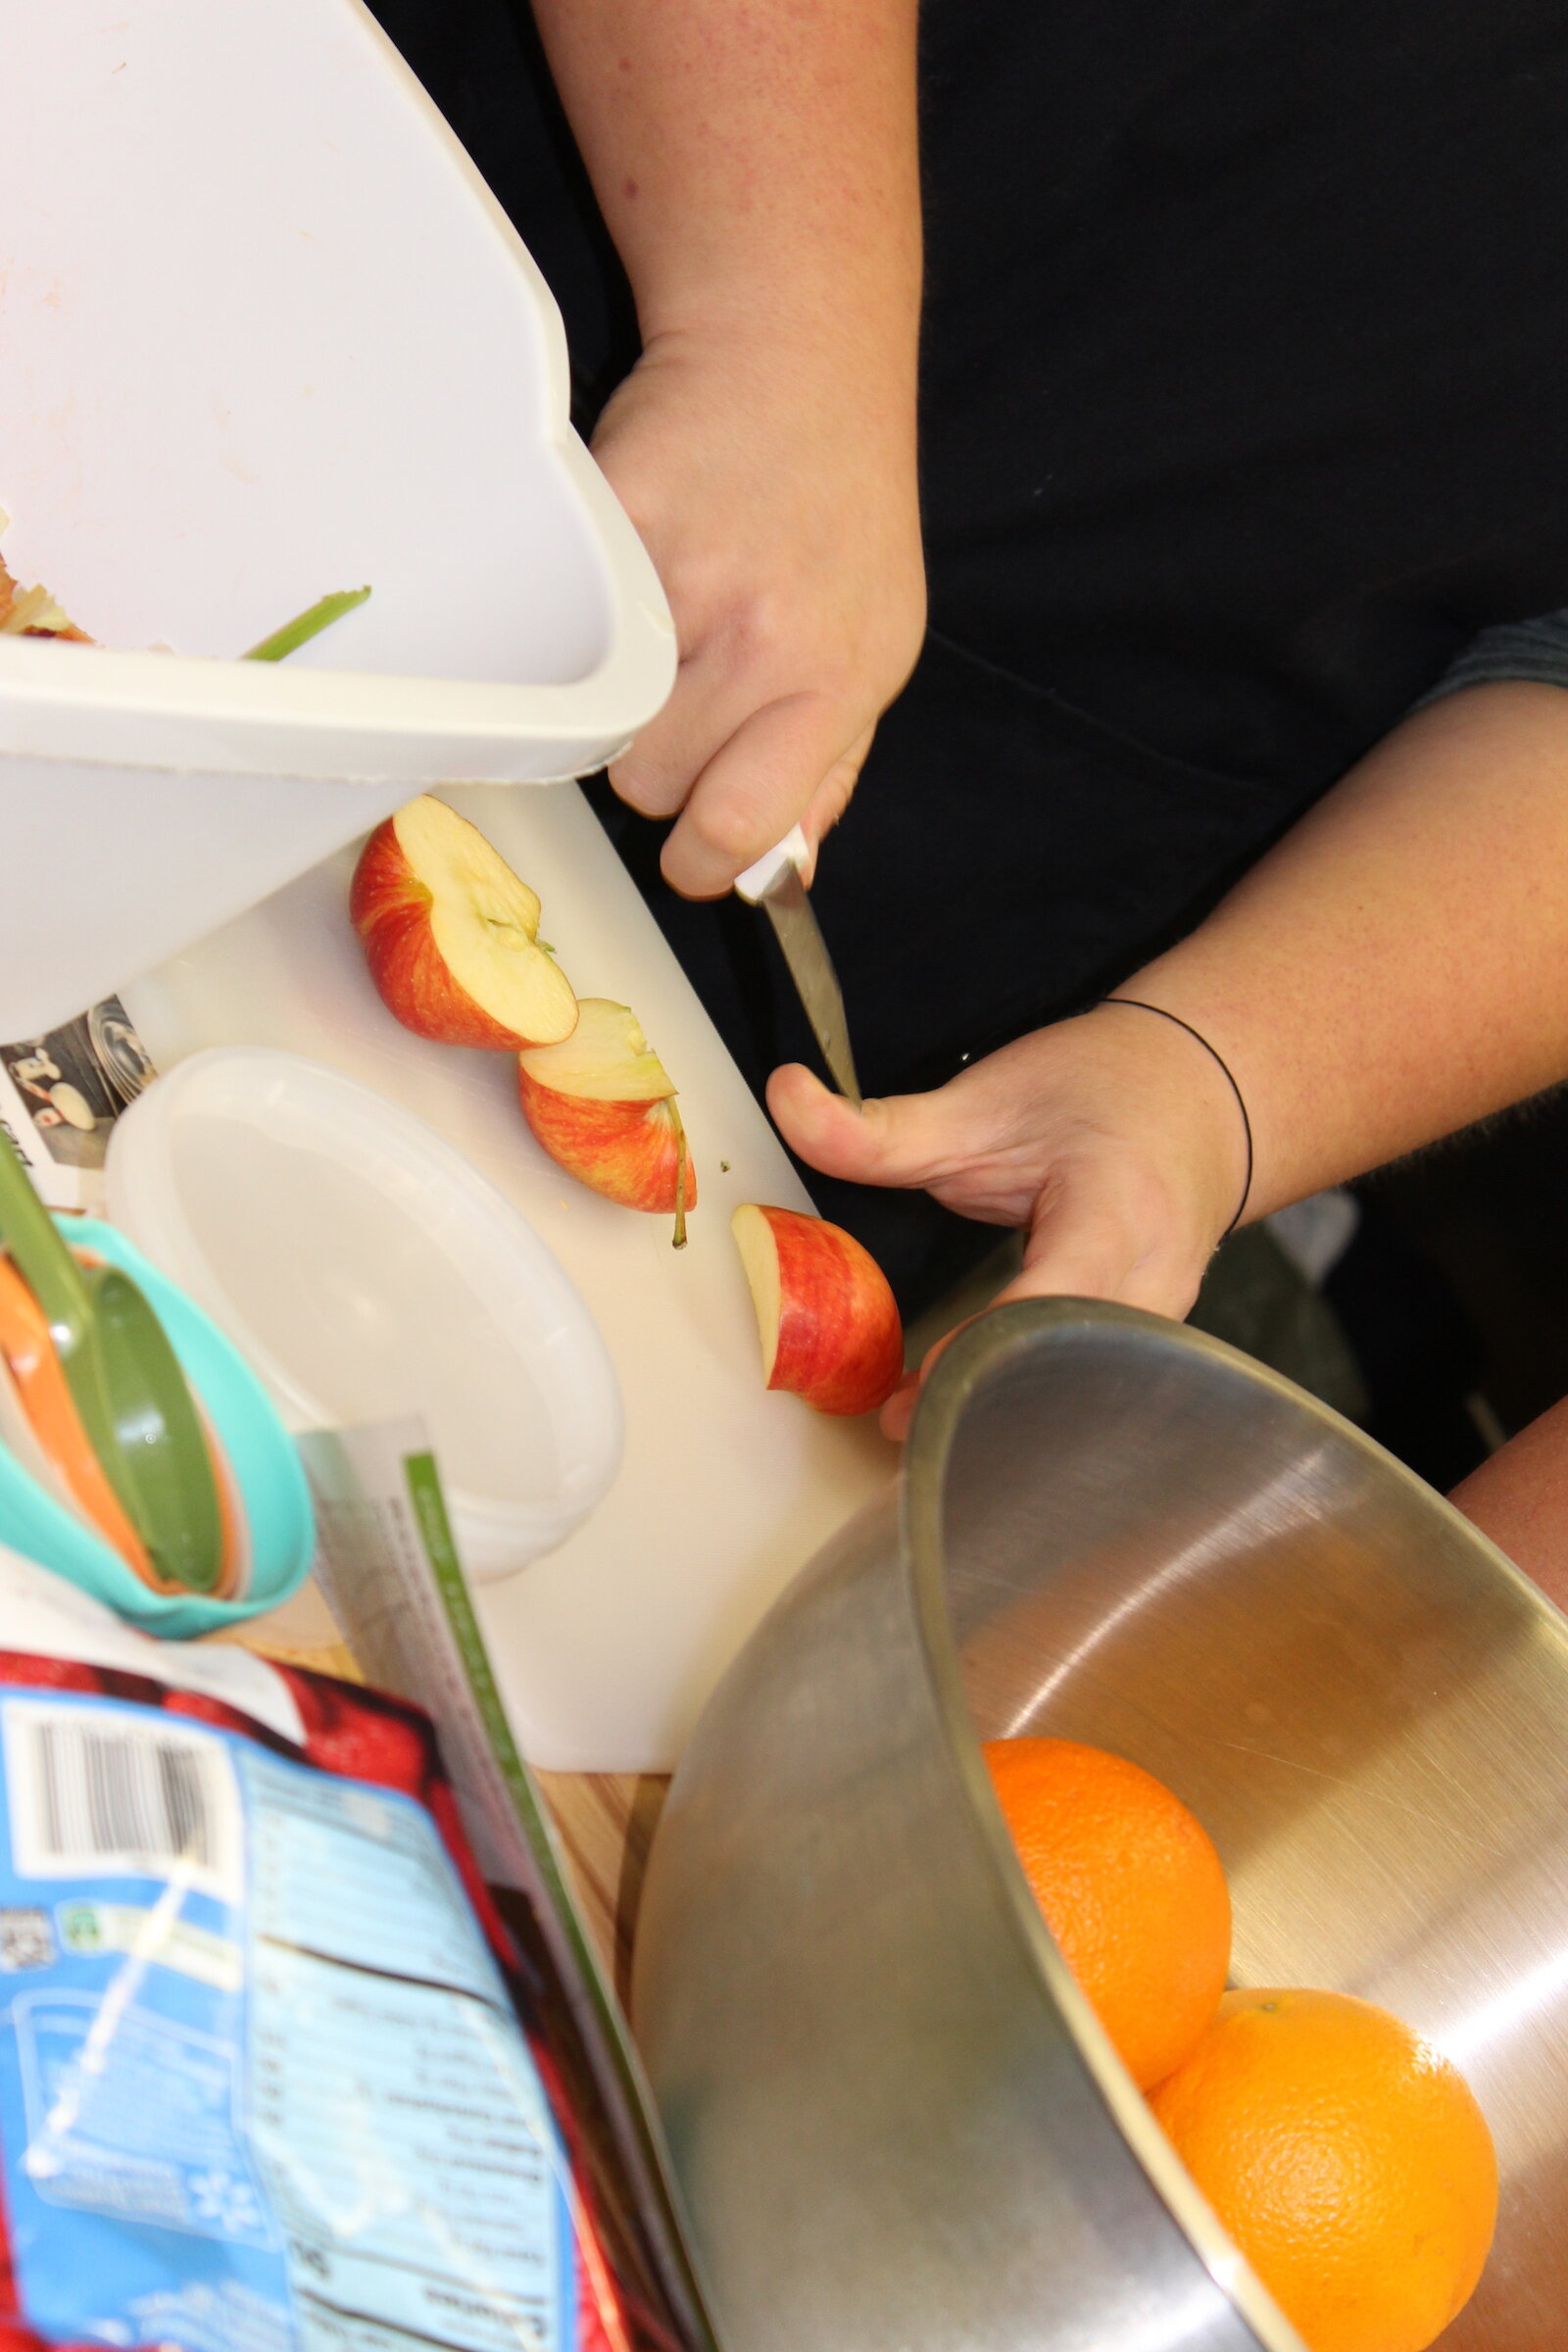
x=753, y=884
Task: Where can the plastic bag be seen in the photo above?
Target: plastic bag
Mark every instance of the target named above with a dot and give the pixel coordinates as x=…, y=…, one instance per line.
x=272, y=2069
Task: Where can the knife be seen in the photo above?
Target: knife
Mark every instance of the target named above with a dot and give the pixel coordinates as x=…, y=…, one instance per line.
x=774, y=884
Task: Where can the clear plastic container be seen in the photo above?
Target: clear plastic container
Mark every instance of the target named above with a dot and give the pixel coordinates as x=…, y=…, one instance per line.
x=367, y=1272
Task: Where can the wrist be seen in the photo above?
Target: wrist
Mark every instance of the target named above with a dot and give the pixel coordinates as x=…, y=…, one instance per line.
x=1192, y=1101
x=807, y=409
x=1161, y=1013
x=801, y=344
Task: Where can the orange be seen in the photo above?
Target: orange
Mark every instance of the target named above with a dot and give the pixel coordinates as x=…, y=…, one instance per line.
x=1347, y=2158
x=1131, y=1887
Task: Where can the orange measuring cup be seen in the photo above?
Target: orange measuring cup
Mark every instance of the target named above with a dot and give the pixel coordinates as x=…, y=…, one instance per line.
x=45, y=1399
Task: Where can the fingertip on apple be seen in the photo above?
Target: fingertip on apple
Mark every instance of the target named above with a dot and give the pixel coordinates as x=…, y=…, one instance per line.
x=898, y=1410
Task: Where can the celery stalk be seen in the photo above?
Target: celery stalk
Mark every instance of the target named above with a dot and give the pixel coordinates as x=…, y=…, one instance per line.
x=306, y=626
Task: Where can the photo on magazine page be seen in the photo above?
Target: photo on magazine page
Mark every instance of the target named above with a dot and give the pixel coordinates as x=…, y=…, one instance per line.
x=61, y=1094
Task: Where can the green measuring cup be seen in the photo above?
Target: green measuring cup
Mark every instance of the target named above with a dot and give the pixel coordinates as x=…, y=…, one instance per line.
x=126, y=1383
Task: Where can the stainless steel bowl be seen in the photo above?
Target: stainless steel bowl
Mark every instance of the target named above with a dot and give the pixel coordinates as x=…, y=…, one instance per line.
x=895, y=2125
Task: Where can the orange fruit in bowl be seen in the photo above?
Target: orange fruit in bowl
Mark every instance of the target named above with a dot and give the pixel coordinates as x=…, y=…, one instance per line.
x=1131, y=1887
x=1347, y=2158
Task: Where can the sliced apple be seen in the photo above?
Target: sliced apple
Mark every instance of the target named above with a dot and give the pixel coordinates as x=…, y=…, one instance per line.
x=451, y=935
x=827, y=1320
x=602, y=1105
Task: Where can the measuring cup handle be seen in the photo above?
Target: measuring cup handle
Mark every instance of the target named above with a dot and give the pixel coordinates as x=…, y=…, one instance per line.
x=41, y=1255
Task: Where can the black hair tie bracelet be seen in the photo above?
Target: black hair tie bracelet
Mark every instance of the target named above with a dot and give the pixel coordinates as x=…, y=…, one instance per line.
x=1136, y=1004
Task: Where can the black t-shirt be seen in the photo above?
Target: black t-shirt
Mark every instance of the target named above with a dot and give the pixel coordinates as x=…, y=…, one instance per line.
x=1246, y=357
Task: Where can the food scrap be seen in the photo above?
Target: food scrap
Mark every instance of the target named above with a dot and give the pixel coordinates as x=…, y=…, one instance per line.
x=33, y=613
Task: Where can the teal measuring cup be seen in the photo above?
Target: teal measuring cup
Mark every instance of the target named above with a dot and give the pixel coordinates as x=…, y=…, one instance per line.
x=127, y=1384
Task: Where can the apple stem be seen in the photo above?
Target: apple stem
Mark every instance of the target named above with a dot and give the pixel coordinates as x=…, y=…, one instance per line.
x=679, y=1242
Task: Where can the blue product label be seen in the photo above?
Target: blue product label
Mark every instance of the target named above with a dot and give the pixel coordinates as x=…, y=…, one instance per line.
x=261, y=2085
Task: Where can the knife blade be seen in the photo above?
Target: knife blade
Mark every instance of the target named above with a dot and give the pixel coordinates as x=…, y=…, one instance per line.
x=774, y=884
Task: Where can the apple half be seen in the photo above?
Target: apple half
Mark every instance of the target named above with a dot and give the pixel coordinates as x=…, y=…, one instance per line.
x=602, y=1105
x=827, y=1320
x=451, y=935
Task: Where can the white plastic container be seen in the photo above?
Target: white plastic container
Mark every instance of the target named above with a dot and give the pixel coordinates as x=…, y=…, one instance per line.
x=264, y=333
x=367, y=1272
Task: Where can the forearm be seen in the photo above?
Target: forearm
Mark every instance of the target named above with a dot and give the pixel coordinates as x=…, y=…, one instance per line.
x=756, y=163
x=1398, y=967
x=1520, y=1499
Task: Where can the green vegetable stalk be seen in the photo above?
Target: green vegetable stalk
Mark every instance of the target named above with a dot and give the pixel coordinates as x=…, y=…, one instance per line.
x=306, y=626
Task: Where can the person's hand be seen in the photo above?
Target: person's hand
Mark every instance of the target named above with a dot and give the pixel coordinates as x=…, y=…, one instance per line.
x=1113, y=1140
x=776, y=494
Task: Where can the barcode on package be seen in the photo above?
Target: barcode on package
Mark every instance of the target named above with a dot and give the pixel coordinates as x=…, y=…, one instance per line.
x=97, y=1790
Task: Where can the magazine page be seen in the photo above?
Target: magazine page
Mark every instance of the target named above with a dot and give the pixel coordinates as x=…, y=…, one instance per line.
x=391, y=1575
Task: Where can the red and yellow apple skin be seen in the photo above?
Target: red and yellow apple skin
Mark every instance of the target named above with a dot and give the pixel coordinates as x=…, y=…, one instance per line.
x=604, y=1107
x=827, y=1320
x=630, y=1151
x=435, y=908
x=391, y=911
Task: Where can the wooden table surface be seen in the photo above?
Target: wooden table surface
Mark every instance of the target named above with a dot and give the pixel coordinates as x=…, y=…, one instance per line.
x=605, y=1821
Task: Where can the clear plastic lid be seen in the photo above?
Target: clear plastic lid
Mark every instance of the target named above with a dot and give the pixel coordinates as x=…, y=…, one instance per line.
x=367, y=1272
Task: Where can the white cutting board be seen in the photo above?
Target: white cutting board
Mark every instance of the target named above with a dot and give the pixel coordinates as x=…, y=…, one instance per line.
x=606, y=1649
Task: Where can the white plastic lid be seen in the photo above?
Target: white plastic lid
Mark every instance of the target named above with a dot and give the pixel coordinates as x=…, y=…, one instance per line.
x=367, y=1272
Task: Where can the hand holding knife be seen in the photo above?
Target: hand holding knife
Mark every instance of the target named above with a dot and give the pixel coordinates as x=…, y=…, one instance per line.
x=776, y=885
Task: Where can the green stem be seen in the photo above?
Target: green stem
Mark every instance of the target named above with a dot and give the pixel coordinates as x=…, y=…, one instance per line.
x=306, y=626
x=679, y=1242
